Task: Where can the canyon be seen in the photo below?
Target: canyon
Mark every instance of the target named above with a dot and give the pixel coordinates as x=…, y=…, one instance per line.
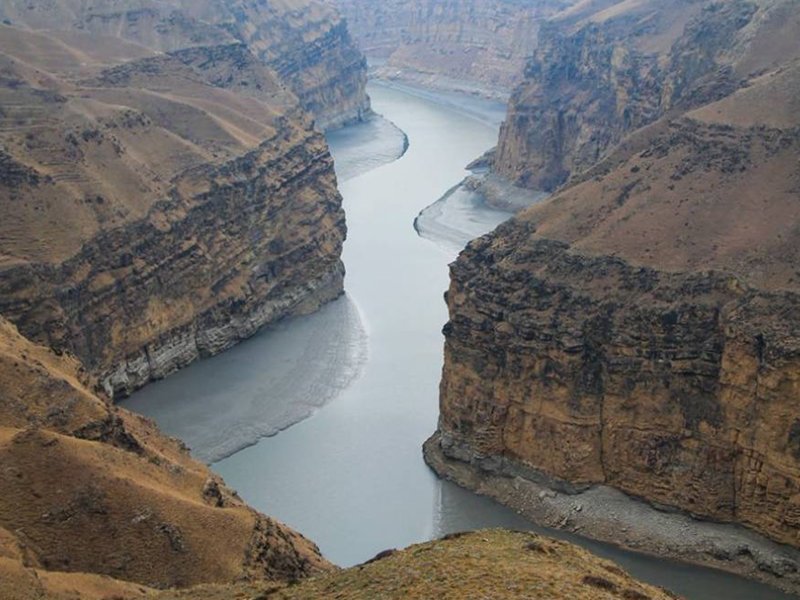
x=592, y=82
x=620, y=360
x=164, y=194
x=638, y=329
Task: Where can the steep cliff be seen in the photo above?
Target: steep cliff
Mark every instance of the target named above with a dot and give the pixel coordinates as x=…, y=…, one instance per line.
x=304, y=41
x=160, y=209
x=468, y=45
x=309, y=46
x=641, y=328
x=596, y=79
x=90, y=490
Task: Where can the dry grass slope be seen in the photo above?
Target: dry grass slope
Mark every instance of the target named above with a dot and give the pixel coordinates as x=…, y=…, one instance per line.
x=91, y=488
x=494, y=564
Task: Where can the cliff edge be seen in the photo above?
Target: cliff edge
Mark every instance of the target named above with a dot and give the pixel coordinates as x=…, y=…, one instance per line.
x=640, y=328
x=157, y=206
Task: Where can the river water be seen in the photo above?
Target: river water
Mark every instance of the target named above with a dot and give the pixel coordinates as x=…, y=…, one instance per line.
x=366, y=369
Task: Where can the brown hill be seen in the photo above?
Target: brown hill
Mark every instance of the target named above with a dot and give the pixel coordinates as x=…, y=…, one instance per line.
x=304, y=41
x=594, y=80
x=499, y=564
x=714, y=189
x=496, y=564
x=91, y=488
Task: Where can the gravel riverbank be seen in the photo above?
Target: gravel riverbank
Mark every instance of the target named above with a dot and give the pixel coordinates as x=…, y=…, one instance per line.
x=608, y=515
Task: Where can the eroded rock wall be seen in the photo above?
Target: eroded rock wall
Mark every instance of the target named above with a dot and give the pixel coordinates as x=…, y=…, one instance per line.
x=677, y=388
x=641, y=327
x=305, y=41
x=160, y=209
x=467, y=45
x=593, y=81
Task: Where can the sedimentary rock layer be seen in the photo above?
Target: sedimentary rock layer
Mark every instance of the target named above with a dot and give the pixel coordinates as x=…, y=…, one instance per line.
x=641, y=328
x=304, y=41
x=160, y=209
x=594, y=80
x=468, y=45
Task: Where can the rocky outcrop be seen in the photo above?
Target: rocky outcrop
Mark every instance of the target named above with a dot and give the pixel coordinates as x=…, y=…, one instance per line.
x=91, y=490
x=304, y=41
x=465, y=45
x=312, y=51
x=640, y=329
x=671, y=387
x=162, y=209
x=593, y=81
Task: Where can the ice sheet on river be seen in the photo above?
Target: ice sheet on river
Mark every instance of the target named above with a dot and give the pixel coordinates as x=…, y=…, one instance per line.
x=282, y=375
x=458, y=217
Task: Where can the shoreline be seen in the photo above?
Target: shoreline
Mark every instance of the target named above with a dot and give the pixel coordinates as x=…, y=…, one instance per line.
x=601, y=513
x=485, y=110
x=327, y=353
x=500, y=193
x=389, y=144
x=492, y=199
x=380, y=69
x=444, y=224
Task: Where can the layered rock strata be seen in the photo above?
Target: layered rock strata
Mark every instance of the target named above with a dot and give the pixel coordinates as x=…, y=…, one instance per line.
x=641, y=328
x=594, y=80
x=465, y=45
x=160, y=209
x=305, y=41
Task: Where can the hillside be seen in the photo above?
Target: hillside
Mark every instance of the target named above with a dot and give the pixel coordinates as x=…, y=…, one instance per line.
x=90, y=490
x=639, y=329
x=594, y=80
x=158, y=209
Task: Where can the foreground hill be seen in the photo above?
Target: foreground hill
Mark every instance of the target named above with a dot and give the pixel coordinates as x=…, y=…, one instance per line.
x=496, y=564
x=640, y=329
x=90, y=490
x=159, y=207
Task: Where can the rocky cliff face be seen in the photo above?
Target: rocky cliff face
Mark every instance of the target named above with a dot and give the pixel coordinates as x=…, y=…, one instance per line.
x=594, y=80
x=466, y=45
x=90, y=490
x=309, y=47
x=640, y=329
x=161, y=209
x=304, y=41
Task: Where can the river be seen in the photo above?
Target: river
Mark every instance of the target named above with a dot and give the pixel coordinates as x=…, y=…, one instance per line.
x=352, y=392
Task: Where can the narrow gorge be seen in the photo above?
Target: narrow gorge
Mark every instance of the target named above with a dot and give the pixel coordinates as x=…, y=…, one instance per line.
x=469, y=46
x=512, y=285
x=164, y=194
